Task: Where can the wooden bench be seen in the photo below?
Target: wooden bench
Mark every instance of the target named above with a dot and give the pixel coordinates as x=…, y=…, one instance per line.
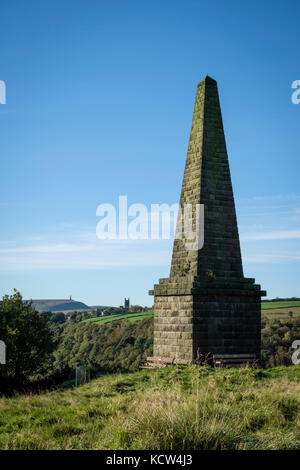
x=234, y=360
x=160, y=362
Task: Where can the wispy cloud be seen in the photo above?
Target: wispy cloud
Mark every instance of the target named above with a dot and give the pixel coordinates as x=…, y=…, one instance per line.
x=271, y=198
x=56, y=248
x=66, y=248
x=273, y=257
x=82, y=252
x=277, y=235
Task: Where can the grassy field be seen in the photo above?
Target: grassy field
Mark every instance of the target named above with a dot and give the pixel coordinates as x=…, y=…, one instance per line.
x=280, y=304
x=132, y=317
x=176, y=408
x=281, y=313
x=280, y=310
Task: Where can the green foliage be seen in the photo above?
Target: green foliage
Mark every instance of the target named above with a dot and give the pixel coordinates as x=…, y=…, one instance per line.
x=28, y=338
x=277, y=338
x=117, y=345
x=56, y=318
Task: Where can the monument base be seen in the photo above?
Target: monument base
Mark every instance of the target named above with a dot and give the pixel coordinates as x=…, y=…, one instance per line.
x=206, y=318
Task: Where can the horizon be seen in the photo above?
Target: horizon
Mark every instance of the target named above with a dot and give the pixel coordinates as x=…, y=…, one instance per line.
x=99, y=104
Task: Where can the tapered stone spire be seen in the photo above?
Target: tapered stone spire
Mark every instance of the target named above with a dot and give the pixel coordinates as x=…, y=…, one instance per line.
x=206, y=305
x=207, y=181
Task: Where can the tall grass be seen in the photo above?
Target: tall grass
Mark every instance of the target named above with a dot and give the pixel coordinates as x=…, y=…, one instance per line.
x=233, y=410
x=177, y=408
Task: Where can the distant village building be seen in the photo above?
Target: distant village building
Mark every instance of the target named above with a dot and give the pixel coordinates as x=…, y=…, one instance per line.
x=126, y=303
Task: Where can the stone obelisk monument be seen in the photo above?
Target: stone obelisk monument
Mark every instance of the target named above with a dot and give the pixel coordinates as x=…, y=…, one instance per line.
x=207, y=305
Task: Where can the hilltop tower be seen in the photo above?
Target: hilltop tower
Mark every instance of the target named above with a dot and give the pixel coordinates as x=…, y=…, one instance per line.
x=207, y=305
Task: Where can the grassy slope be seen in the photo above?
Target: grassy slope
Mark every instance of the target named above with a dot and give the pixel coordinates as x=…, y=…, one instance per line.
x=176, y=408
x=132, y=317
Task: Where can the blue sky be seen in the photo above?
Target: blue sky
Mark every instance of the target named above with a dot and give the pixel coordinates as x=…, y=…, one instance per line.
x=100, y=97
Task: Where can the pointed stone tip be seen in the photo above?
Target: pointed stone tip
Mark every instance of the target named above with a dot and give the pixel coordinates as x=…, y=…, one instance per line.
x=207, y=79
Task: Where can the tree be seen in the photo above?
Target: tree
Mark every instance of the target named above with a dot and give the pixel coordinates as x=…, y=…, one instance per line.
x=135, y=308
x=28, y=338
x=58, y=317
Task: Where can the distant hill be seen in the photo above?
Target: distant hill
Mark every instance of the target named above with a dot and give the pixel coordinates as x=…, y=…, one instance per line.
x=58, y=305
